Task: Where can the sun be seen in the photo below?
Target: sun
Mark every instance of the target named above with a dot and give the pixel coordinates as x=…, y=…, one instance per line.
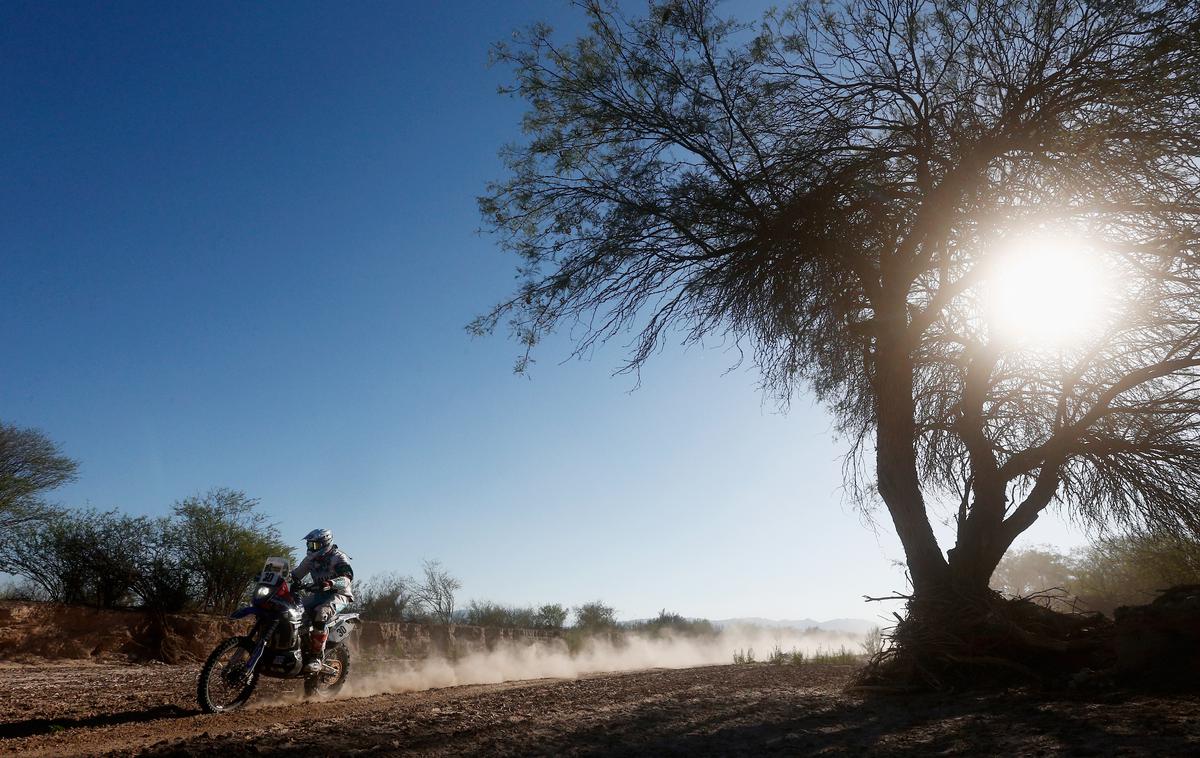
x=1047, y=290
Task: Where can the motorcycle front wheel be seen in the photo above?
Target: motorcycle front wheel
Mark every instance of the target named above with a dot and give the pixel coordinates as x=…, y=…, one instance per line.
x=225, y=684
x=328, y=684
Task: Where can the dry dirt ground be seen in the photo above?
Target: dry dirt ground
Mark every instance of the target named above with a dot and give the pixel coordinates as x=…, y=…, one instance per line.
x=716, y=710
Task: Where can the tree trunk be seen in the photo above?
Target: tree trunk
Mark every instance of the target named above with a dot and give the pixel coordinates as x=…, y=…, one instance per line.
x=896, y=467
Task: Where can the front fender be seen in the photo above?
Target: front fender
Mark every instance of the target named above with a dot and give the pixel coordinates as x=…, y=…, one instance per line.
x=242, y=613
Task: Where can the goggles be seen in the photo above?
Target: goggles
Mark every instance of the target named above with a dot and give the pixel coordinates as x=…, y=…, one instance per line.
x=315, y=545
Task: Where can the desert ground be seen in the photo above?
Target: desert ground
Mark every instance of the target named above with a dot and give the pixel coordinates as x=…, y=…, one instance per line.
x=91, y=709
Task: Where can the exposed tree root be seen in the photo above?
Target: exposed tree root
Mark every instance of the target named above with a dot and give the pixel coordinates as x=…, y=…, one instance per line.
x=956, y=641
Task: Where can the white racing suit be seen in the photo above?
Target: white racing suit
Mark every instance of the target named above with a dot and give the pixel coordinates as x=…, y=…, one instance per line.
x=330, y=565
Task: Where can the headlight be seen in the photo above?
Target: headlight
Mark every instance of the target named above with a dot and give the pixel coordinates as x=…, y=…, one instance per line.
x=261, y=592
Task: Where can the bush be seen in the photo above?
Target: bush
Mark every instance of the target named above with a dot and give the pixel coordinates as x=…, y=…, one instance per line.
x=1032, y=570
x=842, y=655
x=223, y=542
x=387, y=597
x=161, y=581
x=59, y=553
x=204, y=557
x=1130, y=569
x=1113, y=571
x=496, y=615
x=486, y=613
x=667, y=622
x=595, y=617
x=551, y=616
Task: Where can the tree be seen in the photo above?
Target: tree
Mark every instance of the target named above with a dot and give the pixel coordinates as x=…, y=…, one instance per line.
x=833, y=193
x=30, y=465
x=1131, y=568
x=436, y=591
x=113, y=554
x=1033, y=570
x=160, y=578
x=595, y=616
x=54, y=554
x=223, y=542
x=550, y=616
x=387, y=597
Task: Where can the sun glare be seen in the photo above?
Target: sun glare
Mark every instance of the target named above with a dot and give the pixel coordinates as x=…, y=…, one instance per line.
x=1048, y=290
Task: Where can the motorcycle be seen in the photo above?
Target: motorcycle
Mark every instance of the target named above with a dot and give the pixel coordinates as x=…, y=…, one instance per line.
x=274, y=645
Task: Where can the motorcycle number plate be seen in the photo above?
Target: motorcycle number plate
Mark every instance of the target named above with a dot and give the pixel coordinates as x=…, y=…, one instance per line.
x=341, y=629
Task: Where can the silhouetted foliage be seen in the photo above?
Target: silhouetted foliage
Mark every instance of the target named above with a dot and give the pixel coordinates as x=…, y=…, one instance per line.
x=830, y=191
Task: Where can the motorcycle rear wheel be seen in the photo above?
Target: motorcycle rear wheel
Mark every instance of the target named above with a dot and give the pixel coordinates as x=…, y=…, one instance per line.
x=330, y=684
x=224, y=684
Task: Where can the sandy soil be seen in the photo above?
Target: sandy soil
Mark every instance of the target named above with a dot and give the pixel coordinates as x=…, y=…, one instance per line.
x=717, y=710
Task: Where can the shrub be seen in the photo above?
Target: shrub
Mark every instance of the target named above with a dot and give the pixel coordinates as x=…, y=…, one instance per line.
x=594, y=617
x=551, y=616
x=841, y=655
x=387, y=597
x=58, y=553
x=496, y=615
x=673, y=623
x=223, y=543
x=1113, y=571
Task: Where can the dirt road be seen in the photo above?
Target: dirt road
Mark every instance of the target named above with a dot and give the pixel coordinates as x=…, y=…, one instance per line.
x=718, y=710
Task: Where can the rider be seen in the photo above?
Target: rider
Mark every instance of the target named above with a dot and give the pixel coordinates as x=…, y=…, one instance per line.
x=331, y=573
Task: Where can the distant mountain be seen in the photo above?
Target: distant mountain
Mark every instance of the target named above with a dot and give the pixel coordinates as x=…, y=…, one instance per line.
x=849, y=626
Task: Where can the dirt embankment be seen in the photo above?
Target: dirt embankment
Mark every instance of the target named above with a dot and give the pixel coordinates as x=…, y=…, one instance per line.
x=40, y=632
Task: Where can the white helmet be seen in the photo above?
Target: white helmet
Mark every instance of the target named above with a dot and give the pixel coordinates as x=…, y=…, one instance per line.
x=318, y=541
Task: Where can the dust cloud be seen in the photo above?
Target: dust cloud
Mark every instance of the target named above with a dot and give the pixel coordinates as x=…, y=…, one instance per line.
x=630, y=651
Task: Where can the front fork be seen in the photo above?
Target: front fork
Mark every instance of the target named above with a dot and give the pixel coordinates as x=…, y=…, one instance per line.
x=260, y=647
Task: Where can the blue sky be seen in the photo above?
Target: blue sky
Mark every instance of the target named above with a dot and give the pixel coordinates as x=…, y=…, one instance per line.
x=240, y=245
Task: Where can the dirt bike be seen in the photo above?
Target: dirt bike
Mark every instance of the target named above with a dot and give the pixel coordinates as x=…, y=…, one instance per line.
x=274, y=645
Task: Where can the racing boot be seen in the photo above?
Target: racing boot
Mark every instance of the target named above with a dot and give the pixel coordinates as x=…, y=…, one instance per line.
x=316, y=652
